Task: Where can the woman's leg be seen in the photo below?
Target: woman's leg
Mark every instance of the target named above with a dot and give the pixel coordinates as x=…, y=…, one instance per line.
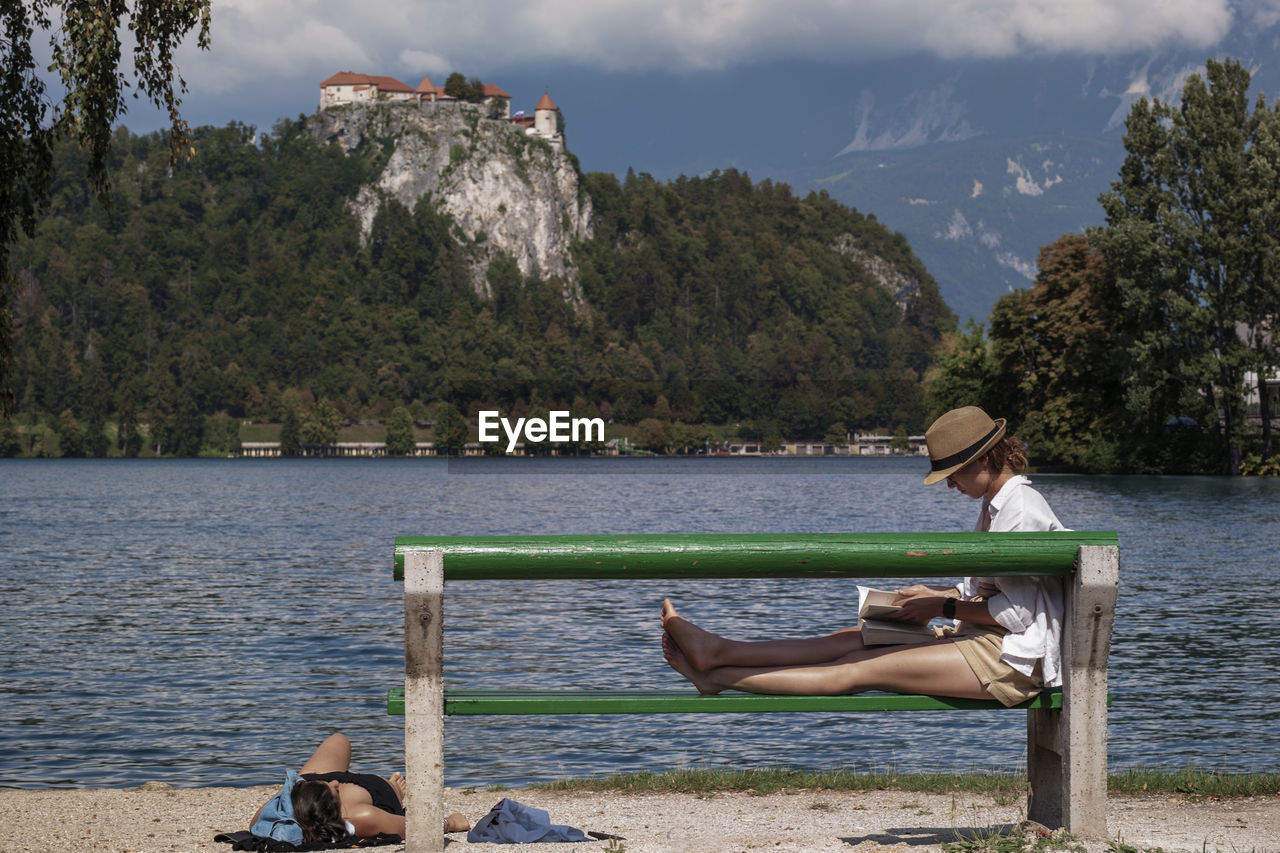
x=705, y=650
x=332, y=756
x=937, y=668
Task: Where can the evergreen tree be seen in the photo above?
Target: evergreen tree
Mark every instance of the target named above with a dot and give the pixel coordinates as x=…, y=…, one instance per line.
x=70, y=436
x=400, y=432
x=85, y=46
x=9, y=443
x=1188, y=262
x=291, y=430
x=450, y=433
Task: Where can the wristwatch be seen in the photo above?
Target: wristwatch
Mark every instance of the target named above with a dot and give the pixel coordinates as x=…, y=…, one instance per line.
x=948, y=608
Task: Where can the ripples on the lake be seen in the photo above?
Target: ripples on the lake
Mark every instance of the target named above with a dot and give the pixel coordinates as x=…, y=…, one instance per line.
x=208, y=622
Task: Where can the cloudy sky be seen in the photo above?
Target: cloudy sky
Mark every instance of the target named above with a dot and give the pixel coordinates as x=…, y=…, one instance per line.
x=268, y=56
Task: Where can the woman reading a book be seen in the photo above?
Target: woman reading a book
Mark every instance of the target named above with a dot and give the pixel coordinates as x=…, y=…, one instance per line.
x=1004, y=646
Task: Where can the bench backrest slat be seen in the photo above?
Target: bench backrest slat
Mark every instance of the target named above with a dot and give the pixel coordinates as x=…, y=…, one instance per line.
x=752, y=555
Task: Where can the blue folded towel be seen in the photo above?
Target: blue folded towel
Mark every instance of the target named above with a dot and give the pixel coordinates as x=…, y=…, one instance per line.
x=510, y=822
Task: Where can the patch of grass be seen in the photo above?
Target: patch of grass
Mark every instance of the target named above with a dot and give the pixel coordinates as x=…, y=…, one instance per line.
x=1121, y=847
x=1008, y=842
x=1004, y=788
x=1196, y=782
x=768, y=780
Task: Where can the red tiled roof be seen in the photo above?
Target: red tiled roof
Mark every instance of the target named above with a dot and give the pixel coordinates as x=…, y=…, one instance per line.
x=350, y=78
x=389, y=84
x=492, y=91
x=345, y=78
x=545, y=103
x=426, y=87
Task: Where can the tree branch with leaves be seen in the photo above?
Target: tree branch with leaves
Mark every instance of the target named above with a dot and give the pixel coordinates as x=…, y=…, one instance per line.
x=86, y=40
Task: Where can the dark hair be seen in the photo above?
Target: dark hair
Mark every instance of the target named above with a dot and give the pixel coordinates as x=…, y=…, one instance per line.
x=318, y=812
x=1008, y=452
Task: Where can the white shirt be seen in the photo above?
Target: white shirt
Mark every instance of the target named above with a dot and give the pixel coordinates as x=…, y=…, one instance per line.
x=1030, y=608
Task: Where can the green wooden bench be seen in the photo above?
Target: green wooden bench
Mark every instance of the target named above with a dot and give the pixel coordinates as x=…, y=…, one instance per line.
x=1066, y=728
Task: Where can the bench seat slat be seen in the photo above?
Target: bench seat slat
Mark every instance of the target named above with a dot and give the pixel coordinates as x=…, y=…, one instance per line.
x=519, y=702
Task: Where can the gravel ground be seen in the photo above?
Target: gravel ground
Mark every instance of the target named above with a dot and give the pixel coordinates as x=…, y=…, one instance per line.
x=159, y=819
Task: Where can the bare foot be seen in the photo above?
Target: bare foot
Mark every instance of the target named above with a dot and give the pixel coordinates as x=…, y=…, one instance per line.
x=701, y=648
x=456, y=822
x=398, y=784
x=680, y=663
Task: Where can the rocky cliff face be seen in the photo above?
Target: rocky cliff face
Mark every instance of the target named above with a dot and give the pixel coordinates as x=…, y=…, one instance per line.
x=506, y=191
x=882, y=271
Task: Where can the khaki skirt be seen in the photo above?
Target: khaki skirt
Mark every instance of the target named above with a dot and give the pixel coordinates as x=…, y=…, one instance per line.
x=982, y=651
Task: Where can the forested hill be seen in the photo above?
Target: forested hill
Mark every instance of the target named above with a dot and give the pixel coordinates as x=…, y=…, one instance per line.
x=240, y=285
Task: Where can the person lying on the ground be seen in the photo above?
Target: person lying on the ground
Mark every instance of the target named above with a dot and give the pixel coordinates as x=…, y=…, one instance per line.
x=331, y=803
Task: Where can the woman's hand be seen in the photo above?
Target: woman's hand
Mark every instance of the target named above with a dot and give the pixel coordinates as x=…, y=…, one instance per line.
x=918, y=609
x=918, y=590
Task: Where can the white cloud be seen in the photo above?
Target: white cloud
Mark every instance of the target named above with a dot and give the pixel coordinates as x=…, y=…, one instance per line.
x=409, y=37
x=977, y=188
x=251, y=41
x=430, y=63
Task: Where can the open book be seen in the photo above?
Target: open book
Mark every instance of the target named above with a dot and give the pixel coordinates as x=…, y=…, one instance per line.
x=873, y=606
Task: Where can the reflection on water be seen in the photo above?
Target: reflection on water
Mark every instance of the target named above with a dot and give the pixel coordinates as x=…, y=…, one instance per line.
x=208, y=621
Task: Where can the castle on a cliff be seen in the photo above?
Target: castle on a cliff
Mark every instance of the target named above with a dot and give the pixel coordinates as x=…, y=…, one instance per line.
x=348, y=87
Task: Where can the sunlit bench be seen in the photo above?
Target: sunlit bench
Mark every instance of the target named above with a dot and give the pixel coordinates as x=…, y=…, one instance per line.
x=1066, y=728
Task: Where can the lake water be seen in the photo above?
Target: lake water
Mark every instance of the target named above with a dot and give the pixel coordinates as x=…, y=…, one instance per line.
x=207, y=622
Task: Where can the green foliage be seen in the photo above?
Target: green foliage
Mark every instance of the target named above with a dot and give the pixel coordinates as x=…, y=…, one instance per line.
x=1131, y=350
x=1254, y=465
x=321, y=427
x=964, y=373
x=651, y=434
x=71, y=441
x=1054, y=359
x=458, y=86
x=237, y=284
x=400, y=432
x=1191, y=236
x=450, y=434
x=901, y=442
x=85, y=46
x=10, y=445
x=291, y=431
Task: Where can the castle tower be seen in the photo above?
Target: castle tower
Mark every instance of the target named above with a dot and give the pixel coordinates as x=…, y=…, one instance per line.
x=546, y=120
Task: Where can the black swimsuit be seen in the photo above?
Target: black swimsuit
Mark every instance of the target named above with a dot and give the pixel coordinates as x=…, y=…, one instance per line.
x=380, y=790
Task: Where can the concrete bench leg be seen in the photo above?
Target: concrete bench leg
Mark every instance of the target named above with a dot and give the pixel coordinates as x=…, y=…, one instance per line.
x=1067, y=749
x=424, y=701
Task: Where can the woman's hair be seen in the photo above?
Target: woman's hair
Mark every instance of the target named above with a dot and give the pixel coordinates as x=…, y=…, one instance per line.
x=318, y=812
x=1009, y=452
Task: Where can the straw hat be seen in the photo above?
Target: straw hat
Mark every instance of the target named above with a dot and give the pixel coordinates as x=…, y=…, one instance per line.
x=959, y=437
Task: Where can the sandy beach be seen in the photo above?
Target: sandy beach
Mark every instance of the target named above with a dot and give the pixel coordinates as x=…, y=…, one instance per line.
x=156, y=818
